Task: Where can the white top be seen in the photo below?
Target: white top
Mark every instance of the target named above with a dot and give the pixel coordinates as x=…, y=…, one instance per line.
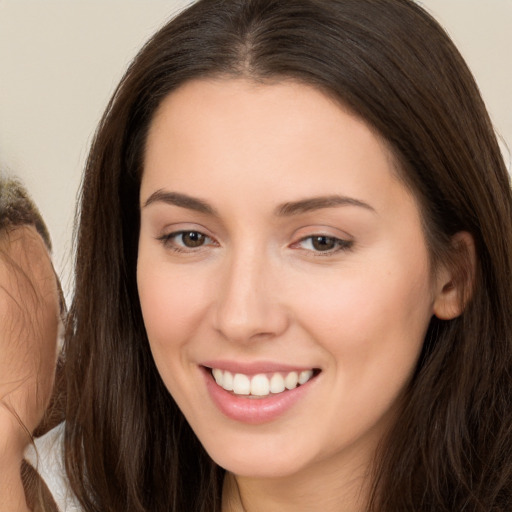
x=47, y=458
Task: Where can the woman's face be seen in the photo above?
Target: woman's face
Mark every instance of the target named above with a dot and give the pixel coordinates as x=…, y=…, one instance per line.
x=278, y=249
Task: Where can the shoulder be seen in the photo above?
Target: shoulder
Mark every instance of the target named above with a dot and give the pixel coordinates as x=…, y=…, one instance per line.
x=46, y=456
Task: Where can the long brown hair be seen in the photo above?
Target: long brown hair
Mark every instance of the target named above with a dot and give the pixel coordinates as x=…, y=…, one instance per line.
x=128, y=447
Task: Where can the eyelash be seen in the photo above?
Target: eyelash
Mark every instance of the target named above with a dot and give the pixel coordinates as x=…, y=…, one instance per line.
x=339, y=244
x=168, y=241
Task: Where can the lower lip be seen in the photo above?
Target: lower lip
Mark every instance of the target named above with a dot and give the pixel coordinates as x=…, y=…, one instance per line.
x=253, y=410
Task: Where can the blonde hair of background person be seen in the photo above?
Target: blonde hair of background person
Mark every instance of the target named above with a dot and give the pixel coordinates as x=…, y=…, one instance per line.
x=283, y=186
x=30, y=306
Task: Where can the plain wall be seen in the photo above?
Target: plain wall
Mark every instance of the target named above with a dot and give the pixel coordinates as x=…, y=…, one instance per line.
x=60, y=61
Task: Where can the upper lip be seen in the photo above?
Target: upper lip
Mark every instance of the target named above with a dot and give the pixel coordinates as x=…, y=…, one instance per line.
x=255, y=367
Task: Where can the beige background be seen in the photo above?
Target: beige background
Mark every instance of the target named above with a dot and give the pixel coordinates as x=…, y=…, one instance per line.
x=60, y=60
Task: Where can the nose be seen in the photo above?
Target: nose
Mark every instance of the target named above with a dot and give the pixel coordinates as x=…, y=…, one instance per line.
x=249, y=303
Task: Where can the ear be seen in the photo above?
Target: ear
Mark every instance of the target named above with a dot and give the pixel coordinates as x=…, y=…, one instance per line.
x=455, y=278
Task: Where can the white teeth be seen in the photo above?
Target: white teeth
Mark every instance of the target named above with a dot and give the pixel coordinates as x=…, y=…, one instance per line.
x=277, y=383
x=227, y=381
x=241, y=384
x=305, y=376
x=260, y=384
x=217, y=375
x=291, y=380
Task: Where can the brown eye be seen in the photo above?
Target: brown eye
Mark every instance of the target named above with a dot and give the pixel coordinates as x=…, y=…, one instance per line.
x=193, y=239
x=323, y=243
x=186, y=241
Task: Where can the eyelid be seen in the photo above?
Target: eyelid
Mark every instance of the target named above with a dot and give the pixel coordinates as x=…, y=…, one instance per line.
x=321, y=230
x=174, y=228
x=175, y=234
x=344, y=241
x=341, y=244
x=166, y=238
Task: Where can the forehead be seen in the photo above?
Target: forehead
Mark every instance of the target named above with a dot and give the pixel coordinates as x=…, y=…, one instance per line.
x=249, y=107
x=287, y=137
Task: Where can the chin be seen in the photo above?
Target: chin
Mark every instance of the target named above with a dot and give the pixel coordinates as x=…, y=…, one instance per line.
x=258, y=462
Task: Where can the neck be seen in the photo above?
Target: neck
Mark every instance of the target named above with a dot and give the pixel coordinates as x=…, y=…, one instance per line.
x=12, y=493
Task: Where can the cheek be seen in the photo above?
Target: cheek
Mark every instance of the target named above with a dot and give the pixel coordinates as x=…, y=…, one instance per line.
x=172, y=302
x=362, y=302
x=372, y=322
x=372, y=327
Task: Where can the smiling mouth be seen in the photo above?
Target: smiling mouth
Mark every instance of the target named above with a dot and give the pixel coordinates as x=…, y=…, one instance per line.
x=262, y=384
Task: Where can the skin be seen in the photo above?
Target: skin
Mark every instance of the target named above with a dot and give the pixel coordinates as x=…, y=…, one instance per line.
x=257, y=289
x=29, y=305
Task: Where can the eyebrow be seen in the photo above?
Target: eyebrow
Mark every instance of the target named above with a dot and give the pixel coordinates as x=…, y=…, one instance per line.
x=318, y=203
x=181, y=200
x=285, y=210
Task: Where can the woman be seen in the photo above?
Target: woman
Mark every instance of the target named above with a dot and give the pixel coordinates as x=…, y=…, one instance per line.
x=293, y=271
x=29, y=304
